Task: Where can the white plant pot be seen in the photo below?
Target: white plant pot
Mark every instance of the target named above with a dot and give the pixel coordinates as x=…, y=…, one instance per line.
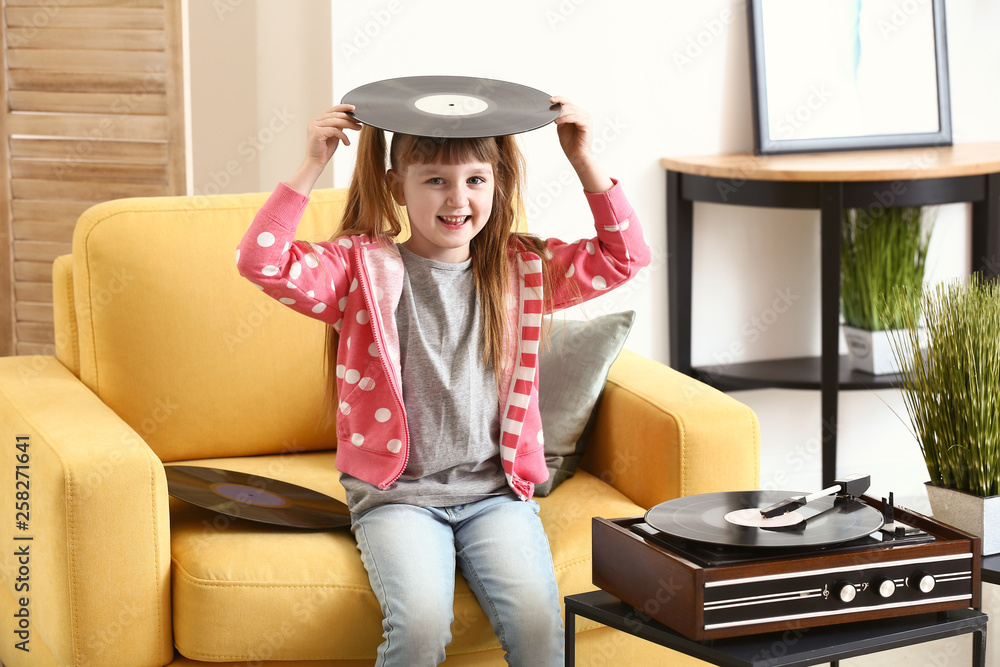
x=870, y=351
x=971, y=514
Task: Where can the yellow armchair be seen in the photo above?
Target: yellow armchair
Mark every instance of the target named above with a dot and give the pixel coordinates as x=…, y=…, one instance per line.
x=164, y=354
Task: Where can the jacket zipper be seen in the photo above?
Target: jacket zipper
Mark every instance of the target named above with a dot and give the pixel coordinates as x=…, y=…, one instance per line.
x=379, y=340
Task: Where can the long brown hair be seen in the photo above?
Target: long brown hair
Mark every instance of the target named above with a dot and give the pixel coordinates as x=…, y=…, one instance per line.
x=371, y=211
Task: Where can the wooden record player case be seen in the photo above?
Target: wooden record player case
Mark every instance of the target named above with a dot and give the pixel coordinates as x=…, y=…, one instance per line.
x=804, y=590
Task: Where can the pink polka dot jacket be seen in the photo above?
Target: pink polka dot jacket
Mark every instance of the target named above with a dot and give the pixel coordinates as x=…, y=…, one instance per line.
x=354, y=284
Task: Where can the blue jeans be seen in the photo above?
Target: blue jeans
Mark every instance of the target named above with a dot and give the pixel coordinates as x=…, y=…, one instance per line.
x=499, y=547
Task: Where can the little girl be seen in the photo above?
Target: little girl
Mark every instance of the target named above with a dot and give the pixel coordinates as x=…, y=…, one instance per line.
x=433, y=347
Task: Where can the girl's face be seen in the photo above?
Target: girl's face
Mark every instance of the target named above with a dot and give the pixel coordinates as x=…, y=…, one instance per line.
x=447, y=204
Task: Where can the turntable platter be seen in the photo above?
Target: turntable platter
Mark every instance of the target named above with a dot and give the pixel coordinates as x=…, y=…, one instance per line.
x=703, y=518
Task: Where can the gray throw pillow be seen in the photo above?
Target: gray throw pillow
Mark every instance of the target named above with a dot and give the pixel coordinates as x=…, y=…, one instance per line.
x=573, y=367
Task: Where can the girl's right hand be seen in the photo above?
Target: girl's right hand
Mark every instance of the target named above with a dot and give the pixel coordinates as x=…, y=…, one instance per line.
x=326, y=131
x=324, y=134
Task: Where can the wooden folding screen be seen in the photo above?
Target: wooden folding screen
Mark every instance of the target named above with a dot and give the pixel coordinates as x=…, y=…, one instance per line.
x=93, y=110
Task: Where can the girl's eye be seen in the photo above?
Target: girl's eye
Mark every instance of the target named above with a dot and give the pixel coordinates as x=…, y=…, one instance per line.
x=435, y=181
x=477, y=180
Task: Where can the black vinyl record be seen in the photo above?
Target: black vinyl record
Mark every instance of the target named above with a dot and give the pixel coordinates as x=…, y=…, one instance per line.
x=451, y=106
x=255, y=498
x=713, y=518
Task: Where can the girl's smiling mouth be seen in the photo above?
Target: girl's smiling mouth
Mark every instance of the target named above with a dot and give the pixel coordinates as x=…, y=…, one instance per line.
x=454, y=220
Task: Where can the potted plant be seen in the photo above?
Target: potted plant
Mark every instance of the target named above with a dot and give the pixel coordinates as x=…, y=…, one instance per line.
x=880, y=249
x=952, y=395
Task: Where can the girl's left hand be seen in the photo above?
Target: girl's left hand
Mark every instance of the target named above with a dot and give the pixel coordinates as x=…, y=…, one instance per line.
x=575, y=129
x=576, y=135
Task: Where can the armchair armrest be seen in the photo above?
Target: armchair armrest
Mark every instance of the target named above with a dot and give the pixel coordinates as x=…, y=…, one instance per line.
x=661, y=434
x=92, y=580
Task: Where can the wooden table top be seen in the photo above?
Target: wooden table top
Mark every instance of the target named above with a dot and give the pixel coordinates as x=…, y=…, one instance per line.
x=874, y=165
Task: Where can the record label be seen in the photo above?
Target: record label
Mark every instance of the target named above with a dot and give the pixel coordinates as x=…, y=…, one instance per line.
x=727, y=519
x=451, y=105
x=457, y=107
x=255, y=498
x=250, y=495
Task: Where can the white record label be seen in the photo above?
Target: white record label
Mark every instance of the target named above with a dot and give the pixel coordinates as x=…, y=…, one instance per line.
x=451, y=105
x=753, y=518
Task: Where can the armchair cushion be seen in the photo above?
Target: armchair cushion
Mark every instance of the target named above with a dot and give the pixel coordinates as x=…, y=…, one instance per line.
x=249, y=591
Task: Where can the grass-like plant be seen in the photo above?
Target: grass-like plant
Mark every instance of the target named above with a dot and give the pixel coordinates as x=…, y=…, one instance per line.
x=880, y=249
x=952, y=387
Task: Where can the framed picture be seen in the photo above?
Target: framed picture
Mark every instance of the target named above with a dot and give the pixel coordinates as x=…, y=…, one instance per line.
x=832, y=75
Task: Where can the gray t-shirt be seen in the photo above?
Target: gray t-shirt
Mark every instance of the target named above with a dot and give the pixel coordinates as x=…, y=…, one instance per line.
x=450, y=395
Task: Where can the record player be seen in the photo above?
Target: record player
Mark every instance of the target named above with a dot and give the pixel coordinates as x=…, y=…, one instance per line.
x=730, y=564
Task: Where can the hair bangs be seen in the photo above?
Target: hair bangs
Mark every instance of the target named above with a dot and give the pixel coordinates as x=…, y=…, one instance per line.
x=407, y=149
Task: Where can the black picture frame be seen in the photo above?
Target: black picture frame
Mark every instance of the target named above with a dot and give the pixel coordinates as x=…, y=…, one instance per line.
x=919, y=57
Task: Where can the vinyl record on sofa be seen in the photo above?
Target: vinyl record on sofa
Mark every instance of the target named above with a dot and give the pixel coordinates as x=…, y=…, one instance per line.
x=451, y=106
x=255, y=498
x=714, y=518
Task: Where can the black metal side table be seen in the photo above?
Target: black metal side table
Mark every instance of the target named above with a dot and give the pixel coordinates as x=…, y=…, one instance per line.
x=828, y=183
x=799, y=648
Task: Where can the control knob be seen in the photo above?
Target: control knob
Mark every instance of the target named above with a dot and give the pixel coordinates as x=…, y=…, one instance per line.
x=921, y=581
x=884, y=587
x=845, y=591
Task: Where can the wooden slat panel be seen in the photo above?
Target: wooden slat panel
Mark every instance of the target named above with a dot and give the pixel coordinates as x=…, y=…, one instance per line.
x=149, y=128
x=55, y=232
x=134, y=103
x=59, y=170
x=35, y=272
x=93, y=60
x=8, y=335
x=35, y=332
x=81, y=191
x=34, y=312
x=153, y=4
x=94, y=110
x=115, y=40
x=40, y=251
x=79, y=81
x=52, y=232
x=177, y=129
x=58, y=212
x=92, y=17
x=79, y=150
x=38, y=292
